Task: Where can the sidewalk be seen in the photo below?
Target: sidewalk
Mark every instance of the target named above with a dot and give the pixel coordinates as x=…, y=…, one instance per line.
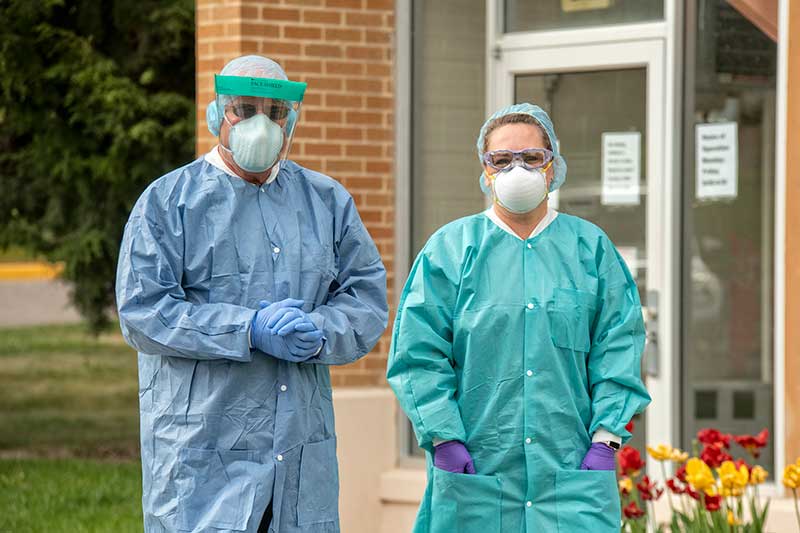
x=31, y=294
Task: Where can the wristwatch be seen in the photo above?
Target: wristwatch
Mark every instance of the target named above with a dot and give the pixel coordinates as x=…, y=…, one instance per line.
x=614, y=445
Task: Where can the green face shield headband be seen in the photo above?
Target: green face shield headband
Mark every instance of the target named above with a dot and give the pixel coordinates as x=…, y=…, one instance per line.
x=292, y=91
x=270, y=106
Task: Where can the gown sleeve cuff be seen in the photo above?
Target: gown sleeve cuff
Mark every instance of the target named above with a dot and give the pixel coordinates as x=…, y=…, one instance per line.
x=601, y=435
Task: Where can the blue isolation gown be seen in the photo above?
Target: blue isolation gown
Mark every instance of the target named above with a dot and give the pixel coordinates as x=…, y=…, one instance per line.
x=522, y=349
x=225, y=430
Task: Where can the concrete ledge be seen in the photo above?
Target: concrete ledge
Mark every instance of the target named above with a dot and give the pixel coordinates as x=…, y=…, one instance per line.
x=403, y=485
x=401, y=492
x=363, y=393
x=366, y=426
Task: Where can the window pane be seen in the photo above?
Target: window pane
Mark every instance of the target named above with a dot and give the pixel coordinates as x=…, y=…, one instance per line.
x=728, y=229
x=447, y=111
x=448, y=105
x=524, y=15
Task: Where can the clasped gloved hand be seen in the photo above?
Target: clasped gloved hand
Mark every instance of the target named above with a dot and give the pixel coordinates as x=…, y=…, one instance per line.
x=599, y=457
x=285, y=331
x=452, y=456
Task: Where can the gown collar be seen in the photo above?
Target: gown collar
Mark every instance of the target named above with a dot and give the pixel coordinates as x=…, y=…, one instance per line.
x=216, y=160
x=546, y=221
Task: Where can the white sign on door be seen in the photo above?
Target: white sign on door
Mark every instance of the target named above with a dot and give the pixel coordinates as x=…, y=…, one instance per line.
x=717, y=160
x=631, y=257
x=620, y=167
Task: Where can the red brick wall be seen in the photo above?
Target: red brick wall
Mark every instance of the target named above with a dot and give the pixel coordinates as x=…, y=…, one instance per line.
x=344, y=50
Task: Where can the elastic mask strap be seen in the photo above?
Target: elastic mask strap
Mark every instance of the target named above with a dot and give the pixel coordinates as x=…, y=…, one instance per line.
x=492, y=178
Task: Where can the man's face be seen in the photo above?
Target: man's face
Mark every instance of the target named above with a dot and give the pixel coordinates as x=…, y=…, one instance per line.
x=244, y=107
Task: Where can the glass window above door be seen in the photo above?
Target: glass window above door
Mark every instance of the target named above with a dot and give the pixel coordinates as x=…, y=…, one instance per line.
x=542, y=15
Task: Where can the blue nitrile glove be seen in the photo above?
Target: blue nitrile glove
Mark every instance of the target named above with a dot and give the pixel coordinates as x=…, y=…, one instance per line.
x=599, y=457
x=296, y=345
x=296, y=327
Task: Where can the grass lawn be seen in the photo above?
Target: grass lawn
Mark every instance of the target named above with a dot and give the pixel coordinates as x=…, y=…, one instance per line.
x=68, y=431
x=65, y=393
x=70, y=496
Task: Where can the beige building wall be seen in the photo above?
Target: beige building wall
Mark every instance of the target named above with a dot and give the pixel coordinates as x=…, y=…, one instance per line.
x=792, y=320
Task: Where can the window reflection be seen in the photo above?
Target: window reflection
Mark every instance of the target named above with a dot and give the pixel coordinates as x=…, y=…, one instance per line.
x=728, y=238
x=542, y=15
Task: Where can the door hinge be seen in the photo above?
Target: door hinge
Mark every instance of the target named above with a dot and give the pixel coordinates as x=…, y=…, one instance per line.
x=497, y=53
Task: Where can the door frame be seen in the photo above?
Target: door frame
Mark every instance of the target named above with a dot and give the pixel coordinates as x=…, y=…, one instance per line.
x=654, y=46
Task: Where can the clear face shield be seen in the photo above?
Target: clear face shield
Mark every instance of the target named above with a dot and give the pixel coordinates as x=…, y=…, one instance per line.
x=262, y=114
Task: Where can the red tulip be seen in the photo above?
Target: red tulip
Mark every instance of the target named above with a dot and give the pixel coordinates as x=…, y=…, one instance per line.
x=681, y=473
x=630, y=461
x=632, y=511
x=675, y=486
x=629, y=426
x=713, y=436
x=753, y=444
x=714, y=455
x=648, y=490
x=692, y=493
x=713, y=502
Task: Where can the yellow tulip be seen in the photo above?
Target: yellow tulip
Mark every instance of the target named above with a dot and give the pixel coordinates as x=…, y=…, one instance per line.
x=698, y=474
x=662, y=452
x=727, y=492
x=678, y=456
x=732, y=519
x=758, y=475
x=731, y=478
x=791, y=476
x=626, y=485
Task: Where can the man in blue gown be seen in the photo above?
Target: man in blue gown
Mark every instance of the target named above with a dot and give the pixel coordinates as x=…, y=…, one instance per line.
x=242, y=277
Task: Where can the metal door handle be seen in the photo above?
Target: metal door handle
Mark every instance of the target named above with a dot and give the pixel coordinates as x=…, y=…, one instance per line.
x=651, y=351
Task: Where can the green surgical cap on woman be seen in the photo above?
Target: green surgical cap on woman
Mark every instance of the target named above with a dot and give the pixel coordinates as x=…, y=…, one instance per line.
x=559, y=164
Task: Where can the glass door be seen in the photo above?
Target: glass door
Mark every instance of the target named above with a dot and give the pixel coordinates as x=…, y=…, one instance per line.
x=607, y=104
x=728, y=244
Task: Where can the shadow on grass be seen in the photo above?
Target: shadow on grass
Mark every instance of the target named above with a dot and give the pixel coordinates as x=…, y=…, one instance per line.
x=66, y=393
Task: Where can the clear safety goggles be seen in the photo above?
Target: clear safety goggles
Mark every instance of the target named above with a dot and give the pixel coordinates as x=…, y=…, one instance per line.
x=529, y=158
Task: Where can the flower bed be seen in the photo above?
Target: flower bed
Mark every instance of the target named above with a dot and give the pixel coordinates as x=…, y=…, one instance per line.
x=710, y=492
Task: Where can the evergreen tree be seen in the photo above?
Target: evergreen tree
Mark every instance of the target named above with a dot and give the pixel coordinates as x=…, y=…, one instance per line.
x=96, y=101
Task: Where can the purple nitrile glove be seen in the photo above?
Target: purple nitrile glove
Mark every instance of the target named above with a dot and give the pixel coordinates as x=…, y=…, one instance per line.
x=599, y=457
x=452, y=456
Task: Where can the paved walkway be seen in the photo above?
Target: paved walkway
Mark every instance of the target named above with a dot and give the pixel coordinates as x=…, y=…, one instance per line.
x=30, y=294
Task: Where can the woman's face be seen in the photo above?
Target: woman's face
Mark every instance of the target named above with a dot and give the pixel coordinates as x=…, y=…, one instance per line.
x=516, y=137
